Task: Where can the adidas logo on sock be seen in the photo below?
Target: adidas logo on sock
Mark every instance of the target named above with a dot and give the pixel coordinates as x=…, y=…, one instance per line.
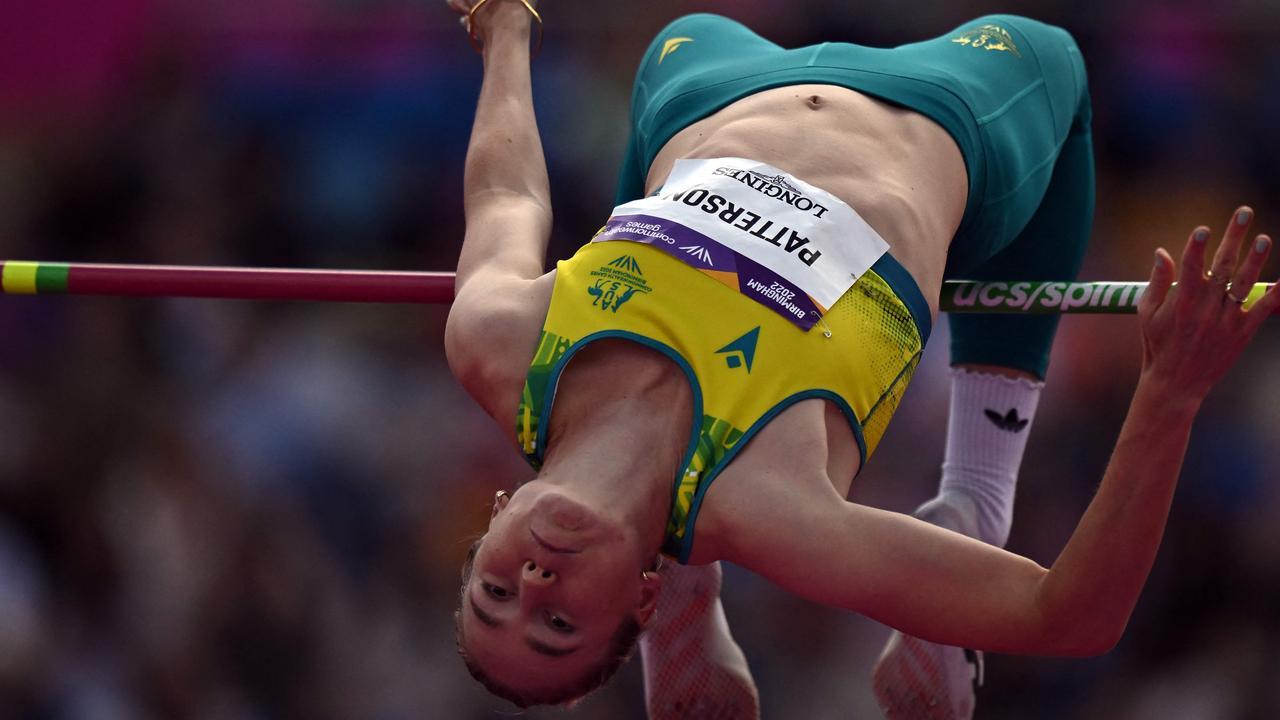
x=1008, y=421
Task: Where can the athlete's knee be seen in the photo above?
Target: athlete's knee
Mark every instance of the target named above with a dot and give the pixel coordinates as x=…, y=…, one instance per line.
x=1061, y=62
x=1041, y=36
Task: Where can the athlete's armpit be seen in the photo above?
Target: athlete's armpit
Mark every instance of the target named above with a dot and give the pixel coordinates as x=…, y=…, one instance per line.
x=491, y=336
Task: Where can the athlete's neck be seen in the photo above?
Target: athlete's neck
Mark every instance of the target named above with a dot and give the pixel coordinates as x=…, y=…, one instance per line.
x=619, y=430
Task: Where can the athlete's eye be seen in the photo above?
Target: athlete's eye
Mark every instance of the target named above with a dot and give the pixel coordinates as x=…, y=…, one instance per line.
x=559, y=624
x=495, y=592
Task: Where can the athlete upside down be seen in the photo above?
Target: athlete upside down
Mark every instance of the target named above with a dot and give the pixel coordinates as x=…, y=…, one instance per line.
x=676, y=408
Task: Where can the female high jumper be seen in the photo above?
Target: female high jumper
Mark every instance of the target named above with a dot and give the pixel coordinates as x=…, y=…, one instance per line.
x=726, y=352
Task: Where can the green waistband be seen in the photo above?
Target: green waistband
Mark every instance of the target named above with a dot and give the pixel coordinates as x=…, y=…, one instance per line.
x=905, y=287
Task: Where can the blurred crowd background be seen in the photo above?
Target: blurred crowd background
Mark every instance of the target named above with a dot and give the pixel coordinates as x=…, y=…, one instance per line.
x=216, y=510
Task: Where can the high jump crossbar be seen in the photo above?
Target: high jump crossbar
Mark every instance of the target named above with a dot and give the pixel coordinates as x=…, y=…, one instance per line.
x=436, y=288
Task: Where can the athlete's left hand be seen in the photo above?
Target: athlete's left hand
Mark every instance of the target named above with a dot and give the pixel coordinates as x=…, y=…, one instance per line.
x=1193, y=336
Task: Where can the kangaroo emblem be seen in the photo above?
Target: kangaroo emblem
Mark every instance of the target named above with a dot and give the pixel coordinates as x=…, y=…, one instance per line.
x=607, y=297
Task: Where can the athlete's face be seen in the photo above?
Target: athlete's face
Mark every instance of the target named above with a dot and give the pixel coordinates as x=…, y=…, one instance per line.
x=551, y=584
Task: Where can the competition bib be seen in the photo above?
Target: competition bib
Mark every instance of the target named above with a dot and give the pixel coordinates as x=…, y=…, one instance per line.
x=782, y=242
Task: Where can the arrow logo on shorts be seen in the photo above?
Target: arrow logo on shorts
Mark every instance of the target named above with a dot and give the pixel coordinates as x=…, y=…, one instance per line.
x=671, y=46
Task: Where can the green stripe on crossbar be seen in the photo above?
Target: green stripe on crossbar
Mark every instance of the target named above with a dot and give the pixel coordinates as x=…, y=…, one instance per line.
x=52, y=277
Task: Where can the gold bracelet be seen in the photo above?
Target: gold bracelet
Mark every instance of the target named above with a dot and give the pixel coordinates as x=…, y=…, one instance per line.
x=471, y=25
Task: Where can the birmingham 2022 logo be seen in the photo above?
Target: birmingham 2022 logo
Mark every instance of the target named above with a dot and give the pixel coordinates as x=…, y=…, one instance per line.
x=616, y=283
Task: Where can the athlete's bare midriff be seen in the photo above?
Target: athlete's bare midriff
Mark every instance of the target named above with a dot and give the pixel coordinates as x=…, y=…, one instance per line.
x=899, y=170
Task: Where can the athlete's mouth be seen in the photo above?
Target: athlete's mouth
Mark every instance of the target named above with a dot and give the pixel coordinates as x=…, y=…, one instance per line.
x=552, y=548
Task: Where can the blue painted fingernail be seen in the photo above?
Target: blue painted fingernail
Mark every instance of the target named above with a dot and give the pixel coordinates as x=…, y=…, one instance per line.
x=1260, y=246
x=1200, y=235
x=1242, y=217
x=1159, y=259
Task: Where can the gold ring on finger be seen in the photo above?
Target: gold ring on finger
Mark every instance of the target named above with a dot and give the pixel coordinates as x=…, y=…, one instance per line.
x=1237, y=300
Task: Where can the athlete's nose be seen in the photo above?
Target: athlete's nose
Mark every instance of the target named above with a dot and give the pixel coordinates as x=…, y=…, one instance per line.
x=536, y=575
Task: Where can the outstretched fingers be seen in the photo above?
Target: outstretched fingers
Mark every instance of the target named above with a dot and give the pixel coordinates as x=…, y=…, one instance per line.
x=1267, y=305
x=1193, y=256
x=1191, y=278
x=1192, y=347
x=1228, y=255
x=1242, y=284
x=1162, y=273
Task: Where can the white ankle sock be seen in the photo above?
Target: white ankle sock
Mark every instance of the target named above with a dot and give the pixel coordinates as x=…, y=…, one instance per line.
x=987, y=431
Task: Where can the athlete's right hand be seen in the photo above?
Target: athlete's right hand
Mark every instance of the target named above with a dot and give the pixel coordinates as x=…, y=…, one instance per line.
x=1193, y=336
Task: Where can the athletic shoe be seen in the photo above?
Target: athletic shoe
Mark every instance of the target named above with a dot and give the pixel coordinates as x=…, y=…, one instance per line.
x=692, y=666
x=919, y=680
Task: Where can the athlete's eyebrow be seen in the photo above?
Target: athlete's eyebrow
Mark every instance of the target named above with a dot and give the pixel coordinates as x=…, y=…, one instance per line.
x=537, y=645
x=483, y=616
x=545, y=649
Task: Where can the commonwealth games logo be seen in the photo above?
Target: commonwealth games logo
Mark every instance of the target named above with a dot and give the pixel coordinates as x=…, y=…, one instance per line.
x=626, y=263
x=616, y=283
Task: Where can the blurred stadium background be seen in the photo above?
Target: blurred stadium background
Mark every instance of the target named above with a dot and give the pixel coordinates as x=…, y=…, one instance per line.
x=217, y=510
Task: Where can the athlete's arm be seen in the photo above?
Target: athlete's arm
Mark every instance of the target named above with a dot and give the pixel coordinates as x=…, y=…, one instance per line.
x=508, y=218
x=505, y=189
x=944, y=587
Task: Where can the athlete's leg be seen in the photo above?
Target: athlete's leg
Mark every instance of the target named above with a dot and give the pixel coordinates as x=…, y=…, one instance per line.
x=692, y=666
x=1001, y=360
x=991, y=413
x=1000, y=364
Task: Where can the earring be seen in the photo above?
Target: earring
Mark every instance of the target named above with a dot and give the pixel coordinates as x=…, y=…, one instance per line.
x=644, y=575
x=500, y=495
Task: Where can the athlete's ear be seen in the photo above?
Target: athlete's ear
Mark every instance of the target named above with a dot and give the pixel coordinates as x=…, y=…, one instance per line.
x=650, y=590
x=500, y=501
